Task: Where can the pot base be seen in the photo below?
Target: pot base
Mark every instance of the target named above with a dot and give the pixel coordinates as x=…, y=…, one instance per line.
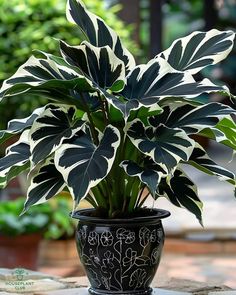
x=135, y=292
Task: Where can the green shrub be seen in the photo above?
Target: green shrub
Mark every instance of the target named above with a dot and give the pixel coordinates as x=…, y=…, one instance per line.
x=11, y=224
x=51, y=219
x=27, y=25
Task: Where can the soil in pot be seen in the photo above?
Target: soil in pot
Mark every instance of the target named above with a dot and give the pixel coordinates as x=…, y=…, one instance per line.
x=120, y=256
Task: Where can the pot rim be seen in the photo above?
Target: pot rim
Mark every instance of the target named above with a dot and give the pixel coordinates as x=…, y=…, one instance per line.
x=158, y=214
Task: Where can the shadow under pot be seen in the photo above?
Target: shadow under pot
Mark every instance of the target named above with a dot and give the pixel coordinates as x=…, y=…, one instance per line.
x=120, y=256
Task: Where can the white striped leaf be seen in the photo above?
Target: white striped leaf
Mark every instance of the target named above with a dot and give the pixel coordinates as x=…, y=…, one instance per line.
x=97, y=31
x=150, y=174
x=16, y=126
x=16, y=159
x=45, y=184
x=50, y=129
x=149, y=85
x=99, y=64
x=198, y=50
x=181, y=192
x=192, y=119
x=157, y=80
x=47, y=77
x=200, y=160
x=166, y=146
x=83, y=165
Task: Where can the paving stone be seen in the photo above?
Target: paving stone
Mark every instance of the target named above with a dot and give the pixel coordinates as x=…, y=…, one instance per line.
x=82, y=282
x=192, y=286
x=72, y=291
x=84, y=291
x=70, y=280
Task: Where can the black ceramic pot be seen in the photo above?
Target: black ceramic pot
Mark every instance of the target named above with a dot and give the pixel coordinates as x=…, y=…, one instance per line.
x=120, y=256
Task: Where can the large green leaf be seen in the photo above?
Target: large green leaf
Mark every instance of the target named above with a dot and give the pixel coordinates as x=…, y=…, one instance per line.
x=224, y=132
x=97, y=32
x=47, y=77
x=200, y=160
x=181, y=192
x=49, y=130
x=198, y=50
x=166, y=146
x=228, y=127
x=150, y=174
x=83, y=165
x=16, y=159
x=100, y=64
x=190, y=118
x=45, y=184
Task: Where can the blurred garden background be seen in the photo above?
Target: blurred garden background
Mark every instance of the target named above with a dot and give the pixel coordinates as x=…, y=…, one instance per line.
x=146, y=27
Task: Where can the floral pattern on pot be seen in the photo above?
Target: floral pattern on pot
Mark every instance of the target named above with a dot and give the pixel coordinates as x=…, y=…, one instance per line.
x=120, y=258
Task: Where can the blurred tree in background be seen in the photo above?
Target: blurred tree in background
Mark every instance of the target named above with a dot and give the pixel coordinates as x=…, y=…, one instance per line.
x=27, y=25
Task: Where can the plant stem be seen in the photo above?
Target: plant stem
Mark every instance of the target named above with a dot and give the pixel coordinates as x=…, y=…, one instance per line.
x=99, y=196
x=91, y=200
x=143, y=200
x=104, y=109
x=133, y=197
x=139, y=196
x=92, y=125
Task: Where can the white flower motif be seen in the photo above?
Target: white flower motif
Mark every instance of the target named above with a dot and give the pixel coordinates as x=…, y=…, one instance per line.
x=93, y=238
x=107, y=238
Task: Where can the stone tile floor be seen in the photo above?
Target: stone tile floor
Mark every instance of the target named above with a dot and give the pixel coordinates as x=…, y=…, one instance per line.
x=214, y=269
x=211, y=269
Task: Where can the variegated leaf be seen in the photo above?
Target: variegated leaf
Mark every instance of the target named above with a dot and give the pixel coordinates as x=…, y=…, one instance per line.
x=48, y=77
x=16, y=159
x=16, y=126
x=198, y=50
x=97, y=31
x=49, y=130
x=181, y=192
x=100, y=64
x=190, y=118
x=150, y=174
x=166, y=146
x=83, y=165
x=157, y=80
x=200, y=160
x=45, y=184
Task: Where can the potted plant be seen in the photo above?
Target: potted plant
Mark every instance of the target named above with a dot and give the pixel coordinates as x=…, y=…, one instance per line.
x=20, y=236
x=114, y=133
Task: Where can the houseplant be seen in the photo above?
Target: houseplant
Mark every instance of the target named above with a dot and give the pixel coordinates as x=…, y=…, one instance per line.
x=112, y=131
x=20, y=236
